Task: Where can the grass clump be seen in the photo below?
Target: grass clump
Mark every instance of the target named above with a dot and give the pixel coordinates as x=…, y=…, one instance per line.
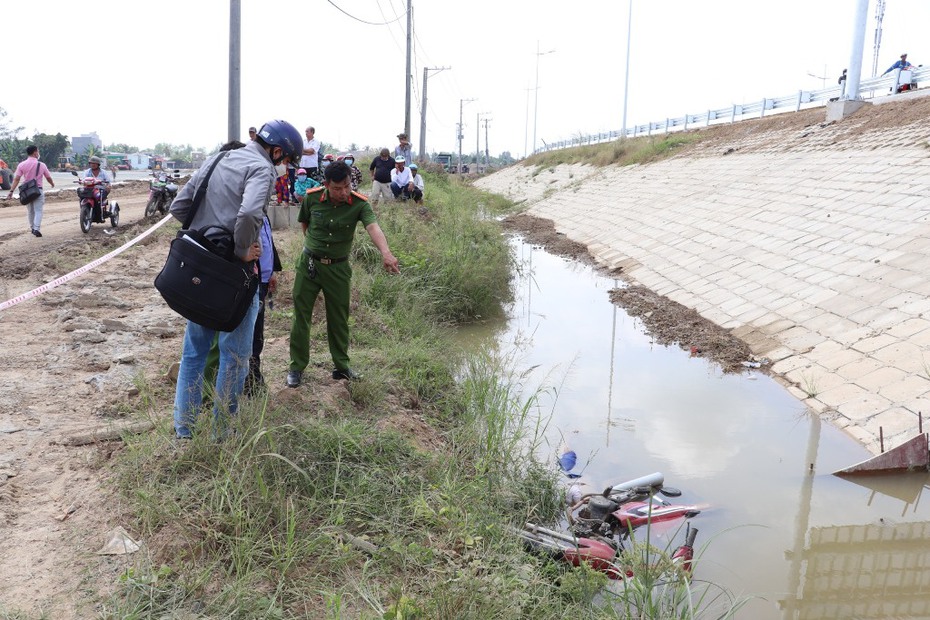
x=393, y=498
x=640, y=150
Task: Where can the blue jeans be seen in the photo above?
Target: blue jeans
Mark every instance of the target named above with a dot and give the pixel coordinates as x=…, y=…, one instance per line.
x=235, y=350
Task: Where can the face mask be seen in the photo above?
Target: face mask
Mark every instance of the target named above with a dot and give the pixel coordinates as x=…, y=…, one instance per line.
x=301, y=177
x=325, y=163
x=349, y=162
x=280, y=170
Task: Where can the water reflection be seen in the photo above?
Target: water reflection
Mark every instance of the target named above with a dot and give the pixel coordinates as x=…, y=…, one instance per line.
x=779, y=526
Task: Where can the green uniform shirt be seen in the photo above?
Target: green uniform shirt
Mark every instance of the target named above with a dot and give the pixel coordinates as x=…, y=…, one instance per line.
x=331, y=226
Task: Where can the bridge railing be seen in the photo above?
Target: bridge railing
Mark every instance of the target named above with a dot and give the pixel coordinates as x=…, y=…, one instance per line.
x=757, y=109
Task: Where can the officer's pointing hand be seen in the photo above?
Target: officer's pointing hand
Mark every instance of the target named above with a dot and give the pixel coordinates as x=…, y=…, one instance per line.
x=390, y=263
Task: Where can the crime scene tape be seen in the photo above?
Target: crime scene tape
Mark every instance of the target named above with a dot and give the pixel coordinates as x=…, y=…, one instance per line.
x=82, y=270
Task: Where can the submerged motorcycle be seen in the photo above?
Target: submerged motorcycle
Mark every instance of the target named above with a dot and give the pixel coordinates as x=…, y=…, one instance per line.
x=601, y=523
x=162, y=191
x=92, y=211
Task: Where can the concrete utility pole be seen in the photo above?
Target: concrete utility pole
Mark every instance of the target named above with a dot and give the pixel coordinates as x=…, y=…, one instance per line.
x=854, y=75
x=235, y=68
x=526, y=132
x=536, y=104
x=626, y=78
x=487, y=157
x=426, y=71
x=461, y=135
x=409, y=74
x=879, y=15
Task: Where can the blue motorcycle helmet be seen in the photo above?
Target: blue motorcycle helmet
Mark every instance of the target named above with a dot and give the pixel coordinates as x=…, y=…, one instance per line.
x=282, y=134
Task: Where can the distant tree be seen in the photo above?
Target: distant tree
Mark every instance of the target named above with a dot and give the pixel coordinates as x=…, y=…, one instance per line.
x=353, y=147
x=120, y=148
x=12, y=149
x=51, y=147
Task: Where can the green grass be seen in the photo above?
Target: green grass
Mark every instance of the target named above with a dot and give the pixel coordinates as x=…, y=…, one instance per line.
x=272, y=522
x=640, y=150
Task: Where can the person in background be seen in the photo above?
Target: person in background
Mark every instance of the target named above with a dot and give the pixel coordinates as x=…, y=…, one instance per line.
x=281, y=190
x=418, y=186
x=252, y=133
x=6, y=176
x=900, y=64
x=355, y=175
x=236, y=198
x=269, y=263
x=309, y=159
x=381, y=168
x=102, y=190
x=32, y=168
x=401, y=181
x=329, y=216
x=403, y=149
x=302, y=184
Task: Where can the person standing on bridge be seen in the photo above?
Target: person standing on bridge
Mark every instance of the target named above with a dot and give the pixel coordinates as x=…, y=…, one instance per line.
x=32, y=168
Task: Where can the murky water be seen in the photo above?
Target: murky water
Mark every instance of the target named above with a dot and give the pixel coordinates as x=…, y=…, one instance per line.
x=778, y=526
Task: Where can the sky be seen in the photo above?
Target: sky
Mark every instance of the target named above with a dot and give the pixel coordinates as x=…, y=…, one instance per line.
x=142, y=73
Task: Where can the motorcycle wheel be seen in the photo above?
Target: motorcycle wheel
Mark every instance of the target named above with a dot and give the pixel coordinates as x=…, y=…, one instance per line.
x=151, y=206
x=114, y=215
x=86, y=215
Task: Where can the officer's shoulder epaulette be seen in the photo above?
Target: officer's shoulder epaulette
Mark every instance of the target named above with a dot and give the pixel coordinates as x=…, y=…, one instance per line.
x=360, y=195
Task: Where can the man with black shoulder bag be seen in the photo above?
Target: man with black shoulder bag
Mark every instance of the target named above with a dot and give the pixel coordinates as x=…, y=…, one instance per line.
x=31, y=193
x=223, y=206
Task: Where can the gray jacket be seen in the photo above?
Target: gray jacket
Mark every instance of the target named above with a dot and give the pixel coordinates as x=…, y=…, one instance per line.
x=237, y=194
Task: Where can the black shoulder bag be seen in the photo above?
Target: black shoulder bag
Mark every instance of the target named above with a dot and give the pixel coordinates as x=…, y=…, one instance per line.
x=30, y=190
x=203, y=280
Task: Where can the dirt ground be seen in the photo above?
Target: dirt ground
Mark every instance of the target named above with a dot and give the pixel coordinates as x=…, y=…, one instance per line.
x=81, y=357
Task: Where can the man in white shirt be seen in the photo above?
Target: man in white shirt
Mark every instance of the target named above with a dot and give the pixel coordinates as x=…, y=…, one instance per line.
x=401, y=181
x=417, y=179
x=309, y=159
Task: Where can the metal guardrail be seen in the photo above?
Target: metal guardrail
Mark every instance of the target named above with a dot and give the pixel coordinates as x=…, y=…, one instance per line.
x=801, y=99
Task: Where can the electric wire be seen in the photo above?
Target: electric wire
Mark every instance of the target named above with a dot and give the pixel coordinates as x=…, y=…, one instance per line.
x=358, y=19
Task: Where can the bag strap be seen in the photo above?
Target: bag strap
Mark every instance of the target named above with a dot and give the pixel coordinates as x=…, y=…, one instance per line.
x=38, y=166
x=201, y=190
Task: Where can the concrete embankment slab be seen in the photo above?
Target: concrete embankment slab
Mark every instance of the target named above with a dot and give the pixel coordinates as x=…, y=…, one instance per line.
x=816, y=252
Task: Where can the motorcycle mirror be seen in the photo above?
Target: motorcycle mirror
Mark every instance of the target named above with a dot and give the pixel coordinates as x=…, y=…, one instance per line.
x=692, y=513
x=74, y=172
x=670, y=492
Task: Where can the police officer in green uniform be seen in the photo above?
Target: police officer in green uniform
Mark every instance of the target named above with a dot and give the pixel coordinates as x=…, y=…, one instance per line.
x=329, y=215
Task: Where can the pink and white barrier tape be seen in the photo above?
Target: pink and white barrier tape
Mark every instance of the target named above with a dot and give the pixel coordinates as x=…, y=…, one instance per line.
x=81, y=270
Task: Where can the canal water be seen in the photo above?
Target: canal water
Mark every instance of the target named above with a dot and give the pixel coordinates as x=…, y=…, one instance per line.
x=778, y=526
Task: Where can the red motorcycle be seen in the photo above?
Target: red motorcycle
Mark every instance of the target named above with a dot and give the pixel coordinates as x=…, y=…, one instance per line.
x=94, y=209
x=599, y=555
x=600, y=524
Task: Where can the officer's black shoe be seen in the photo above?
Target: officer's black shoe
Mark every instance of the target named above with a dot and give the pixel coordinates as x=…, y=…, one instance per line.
x=347, y=374
x=293, y=378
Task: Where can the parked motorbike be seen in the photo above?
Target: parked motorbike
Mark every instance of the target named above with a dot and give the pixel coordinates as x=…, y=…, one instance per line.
x=91, y=211
x=162, y=191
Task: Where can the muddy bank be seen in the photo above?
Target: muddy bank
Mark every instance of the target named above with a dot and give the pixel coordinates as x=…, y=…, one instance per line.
x=667, y=321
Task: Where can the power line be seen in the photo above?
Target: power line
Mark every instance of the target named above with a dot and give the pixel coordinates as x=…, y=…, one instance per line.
x=358, y=19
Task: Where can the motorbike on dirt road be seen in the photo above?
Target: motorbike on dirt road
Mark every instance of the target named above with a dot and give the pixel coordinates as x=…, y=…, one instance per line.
x=92, y=211
x=162, y=191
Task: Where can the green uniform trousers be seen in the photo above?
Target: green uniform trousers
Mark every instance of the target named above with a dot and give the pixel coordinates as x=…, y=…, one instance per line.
x=334, y=281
